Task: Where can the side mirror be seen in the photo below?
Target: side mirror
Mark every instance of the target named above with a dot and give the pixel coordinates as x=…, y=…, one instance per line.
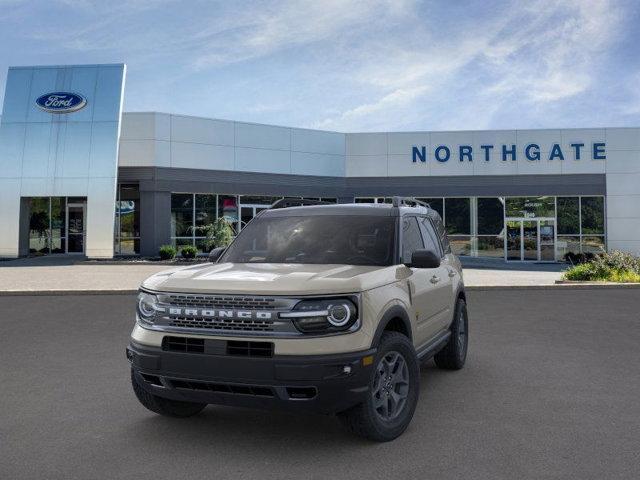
x=215, y=254
x=424, y=259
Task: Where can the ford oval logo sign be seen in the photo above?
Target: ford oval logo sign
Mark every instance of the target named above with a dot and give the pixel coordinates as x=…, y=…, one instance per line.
x=61, y=102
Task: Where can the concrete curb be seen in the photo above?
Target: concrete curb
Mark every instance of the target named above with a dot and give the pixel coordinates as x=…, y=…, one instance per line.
x=476, y=288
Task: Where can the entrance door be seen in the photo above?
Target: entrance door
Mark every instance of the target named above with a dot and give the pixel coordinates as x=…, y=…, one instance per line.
x=513, y=245
x=530, y=240
x=547, y=240
x=75, y=227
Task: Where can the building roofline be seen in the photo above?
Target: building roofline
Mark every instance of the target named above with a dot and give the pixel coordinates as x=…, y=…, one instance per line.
x=378, y=132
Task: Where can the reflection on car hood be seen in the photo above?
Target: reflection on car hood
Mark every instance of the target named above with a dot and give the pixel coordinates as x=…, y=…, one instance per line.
x=271, y=278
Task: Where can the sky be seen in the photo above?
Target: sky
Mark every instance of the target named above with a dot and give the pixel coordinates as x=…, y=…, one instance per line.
x=350, y=65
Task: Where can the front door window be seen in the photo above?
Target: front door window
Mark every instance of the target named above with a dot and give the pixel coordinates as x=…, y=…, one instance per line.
x=514, y=240
x=530, y=240
x=547, y=240
x=75, y=228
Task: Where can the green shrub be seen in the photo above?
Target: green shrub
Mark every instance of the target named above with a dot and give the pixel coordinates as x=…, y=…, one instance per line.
x=607, y=267
x=218, y=233
x=582, y=271
x=617, y=260
x=167, y=252
x=189, y=251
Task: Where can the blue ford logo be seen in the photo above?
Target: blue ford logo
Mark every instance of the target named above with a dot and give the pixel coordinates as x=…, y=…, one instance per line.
x=61, y=102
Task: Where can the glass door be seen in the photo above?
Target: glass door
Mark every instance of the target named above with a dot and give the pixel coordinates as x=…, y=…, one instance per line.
x=547, y=240
x=531, y=240
x=75, y=227
x=514, y=236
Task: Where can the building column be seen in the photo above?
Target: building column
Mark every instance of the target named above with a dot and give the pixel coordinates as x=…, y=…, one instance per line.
x=155, y=221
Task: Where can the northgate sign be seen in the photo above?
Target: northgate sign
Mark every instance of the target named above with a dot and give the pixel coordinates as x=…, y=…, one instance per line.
x=531, y=152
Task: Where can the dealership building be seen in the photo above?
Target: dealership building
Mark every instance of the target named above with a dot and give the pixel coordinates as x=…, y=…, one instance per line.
x=79, y=176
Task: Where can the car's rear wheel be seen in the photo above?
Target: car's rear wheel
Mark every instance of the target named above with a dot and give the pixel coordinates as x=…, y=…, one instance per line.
x=164, y=406
x=454, y=354
x=393, y=392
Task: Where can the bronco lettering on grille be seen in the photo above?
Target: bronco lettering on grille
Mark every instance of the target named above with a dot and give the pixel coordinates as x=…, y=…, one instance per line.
x=212, y=313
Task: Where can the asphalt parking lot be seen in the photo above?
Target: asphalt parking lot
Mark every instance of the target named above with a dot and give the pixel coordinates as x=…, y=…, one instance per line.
x=551, y=390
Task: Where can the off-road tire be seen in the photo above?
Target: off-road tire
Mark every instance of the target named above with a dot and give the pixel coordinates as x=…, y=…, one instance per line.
x=363, y=420
x=454, y=354
x=164, y=406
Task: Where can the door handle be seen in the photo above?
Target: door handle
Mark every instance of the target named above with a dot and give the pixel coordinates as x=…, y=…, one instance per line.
x=435, y=279
x=452, y=273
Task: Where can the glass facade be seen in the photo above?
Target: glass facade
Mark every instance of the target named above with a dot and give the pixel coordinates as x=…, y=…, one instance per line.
x=541, y=228
x=189, y=211
x=56, y=225
x=581, y=223
x=127, y=226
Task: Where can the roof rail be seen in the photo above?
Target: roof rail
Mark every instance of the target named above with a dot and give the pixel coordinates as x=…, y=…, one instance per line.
x=296, y=202
x=409, y=201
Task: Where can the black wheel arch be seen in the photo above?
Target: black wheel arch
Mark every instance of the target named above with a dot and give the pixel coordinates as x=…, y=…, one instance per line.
x=395, y=319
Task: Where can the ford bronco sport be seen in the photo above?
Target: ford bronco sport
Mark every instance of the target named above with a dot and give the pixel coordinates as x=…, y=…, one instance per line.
x=321, y=308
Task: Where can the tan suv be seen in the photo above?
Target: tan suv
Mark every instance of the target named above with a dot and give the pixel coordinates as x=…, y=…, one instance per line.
x=323, y=308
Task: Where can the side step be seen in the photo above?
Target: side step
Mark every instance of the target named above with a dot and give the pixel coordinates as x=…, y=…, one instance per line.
x=433, y=346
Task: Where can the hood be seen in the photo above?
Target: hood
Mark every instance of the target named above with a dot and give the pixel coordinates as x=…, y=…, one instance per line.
x=272, y=278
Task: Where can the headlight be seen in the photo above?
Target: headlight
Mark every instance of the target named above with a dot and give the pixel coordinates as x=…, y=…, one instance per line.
x=147, y=303
x=323, y=315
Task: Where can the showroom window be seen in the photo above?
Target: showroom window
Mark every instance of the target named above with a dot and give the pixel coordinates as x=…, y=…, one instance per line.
x=457, y=220
x=47, y=225
x=581, y=225
x=190, y=211
x=530, y=207
x=490, y=218
x=127, y=221
x=57, y=225
x=592, y=218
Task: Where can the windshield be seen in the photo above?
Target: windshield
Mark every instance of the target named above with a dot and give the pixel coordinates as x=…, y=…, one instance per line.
x=319, y=239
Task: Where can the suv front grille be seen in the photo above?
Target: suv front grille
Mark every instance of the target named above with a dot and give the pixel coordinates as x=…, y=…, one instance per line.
x=215, y=301
x=224, y=314
x=222, y=324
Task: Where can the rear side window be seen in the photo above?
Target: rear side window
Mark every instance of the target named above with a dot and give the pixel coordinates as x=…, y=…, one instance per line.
x=441, y=232
x=430, y=238
x=411, y=238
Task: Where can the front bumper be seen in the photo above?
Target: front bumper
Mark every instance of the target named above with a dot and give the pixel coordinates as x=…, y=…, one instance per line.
x=319, y=383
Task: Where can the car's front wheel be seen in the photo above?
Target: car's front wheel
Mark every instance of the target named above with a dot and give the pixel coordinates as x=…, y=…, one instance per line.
x=164, y=406
x=393, y=392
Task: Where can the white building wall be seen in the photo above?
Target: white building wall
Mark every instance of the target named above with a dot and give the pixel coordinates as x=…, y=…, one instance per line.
x=390, y=154
x=623, y=189
x=164, y=140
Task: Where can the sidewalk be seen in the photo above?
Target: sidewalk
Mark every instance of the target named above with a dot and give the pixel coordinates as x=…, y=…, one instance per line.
x=64, y=274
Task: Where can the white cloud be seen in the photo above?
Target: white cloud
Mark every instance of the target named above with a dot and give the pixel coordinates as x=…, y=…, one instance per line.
x=538, y=54
x=349, y=64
